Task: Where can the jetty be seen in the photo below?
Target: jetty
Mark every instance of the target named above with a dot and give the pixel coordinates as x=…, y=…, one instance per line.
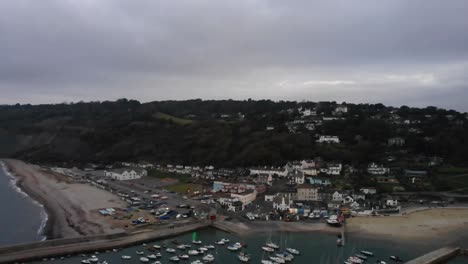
x=71, y=246
x=437, y=256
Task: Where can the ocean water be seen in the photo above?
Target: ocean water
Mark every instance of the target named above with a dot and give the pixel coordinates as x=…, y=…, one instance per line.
x=314, y=247
x=22, y=219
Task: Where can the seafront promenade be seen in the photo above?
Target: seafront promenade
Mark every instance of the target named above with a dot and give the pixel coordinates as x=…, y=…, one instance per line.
x=70, y=246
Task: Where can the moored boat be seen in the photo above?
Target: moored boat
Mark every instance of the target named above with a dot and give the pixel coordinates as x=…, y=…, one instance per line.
x=144, y=259
x=293, y=251
x=367, y=253
x=268, y=249
x=126, y=257
x=174, y=259
x=208, y=258
x=396, y=258
x=272, y=245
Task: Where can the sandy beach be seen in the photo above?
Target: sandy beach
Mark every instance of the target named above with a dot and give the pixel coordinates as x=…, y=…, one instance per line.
x=448, y=224
x=71, y=207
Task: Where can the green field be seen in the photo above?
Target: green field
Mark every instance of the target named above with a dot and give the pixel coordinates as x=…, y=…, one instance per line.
x=177, y=120
x=455, y=177
x=183, y=178
x=185, y=187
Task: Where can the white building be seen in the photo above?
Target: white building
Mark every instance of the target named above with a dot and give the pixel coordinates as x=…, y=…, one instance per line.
x=307, y=193
x=368, y=190
x=296, y=177
x=341, y=109
x=332, y=169
x=375, y=169
x=337, y=197
x=391, y=202
x=125, y=174
x=245, y=198
x=282, y=172
x=328, y=139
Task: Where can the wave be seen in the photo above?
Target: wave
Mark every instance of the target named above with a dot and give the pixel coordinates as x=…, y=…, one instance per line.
x=14, y=185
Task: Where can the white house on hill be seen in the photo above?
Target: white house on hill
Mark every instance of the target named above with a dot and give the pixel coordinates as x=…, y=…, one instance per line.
x=125, y=173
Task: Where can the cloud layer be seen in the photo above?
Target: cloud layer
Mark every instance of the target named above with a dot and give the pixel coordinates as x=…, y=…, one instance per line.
x=392, y=51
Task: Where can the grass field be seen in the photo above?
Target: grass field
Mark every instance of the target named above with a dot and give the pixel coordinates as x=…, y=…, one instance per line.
x=177, y=120
x=183, y=178
x=185, y=187
x=455, y=177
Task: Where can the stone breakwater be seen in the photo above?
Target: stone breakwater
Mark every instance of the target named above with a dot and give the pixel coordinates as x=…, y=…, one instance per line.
x=72, y=246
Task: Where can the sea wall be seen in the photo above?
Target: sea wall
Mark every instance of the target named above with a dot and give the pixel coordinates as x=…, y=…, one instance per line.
x=71, y=246
x=437, y=256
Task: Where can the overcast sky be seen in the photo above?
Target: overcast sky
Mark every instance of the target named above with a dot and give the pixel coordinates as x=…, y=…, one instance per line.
x=395, y=52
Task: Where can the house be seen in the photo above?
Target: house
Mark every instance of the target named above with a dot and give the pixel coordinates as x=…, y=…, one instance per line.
x=282, y=202
x=233, y=205
x=337, y=197
x=281, y=172
x=396, y=141
x=319, y=181
x=296, y=177
x=328, y=139
x=391, y=202
x=246, y=198
x=307, y=193
x=368, y=190
x=341, y=109
x=126, y=173
x=232, y=187
x=264, y=179
x=375, y=169
x=332, y=169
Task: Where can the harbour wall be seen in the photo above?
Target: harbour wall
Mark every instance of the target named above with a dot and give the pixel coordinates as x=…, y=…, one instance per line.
x=71, y=246
x=437, y=256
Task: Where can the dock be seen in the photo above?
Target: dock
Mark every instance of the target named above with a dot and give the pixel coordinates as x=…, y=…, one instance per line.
x=72, y=246
x=437, y=256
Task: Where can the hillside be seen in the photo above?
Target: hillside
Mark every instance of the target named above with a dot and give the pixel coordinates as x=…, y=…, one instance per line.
x=226, y=133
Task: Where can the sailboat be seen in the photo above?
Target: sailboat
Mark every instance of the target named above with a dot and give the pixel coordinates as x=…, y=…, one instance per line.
x=194, y=238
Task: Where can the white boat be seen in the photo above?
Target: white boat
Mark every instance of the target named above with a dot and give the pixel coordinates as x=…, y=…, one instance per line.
x=233, y=247
x=210, y=247
x=278, y=260
x=158, y=255
x=367, y=253
x=225, y=240
x=184, y=256
x=170, y=250
x=285, y=255
x=196, y=242
x=355, y=260
x=174, y=258
x=396, y=258
x=156, y=246
x=381, y=262
x=219, y=242
x=193, y=252
x=196, y=262
x=181, y=246
x=144, y=260
x=94, y=259
x=140, y=252
x=244, y=257
x=333, y=222
x=203, y=249
x=272, y=245
x=293, y=251
x=156, y=262
x=361, y=257
x=268, y=249
x=126, y=257
x=152, y=256
x=85, y=261
x=208, y=258
x=266, y=261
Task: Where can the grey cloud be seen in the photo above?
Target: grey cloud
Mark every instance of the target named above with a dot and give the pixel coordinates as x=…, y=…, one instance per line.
x=152, y=50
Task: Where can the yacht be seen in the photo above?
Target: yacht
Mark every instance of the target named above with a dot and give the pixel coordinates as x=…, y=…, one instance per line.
x=333, y=222
x=196, y=262
x=126, y=257
x=170, y=250
x=152, y=256
x=181, y=247
x=208, y=258
x=174, y=259
x=278, y=260
x=210, y=247
x=94, y=259
x=367, y=253
x=85, y=261
x=158, y=255
x=361, y=257
x=184, y=256
x=156, y=246
x=233, y=247
x=221, y=242
x=144, y=260
x=272, y=245
x=244, y=257
x=140, y=252
x=196, y=242
x=225, y=240
x=266, y=261
x=396, y=258
x=193, y=252
x=268, y=249
x=293, y=251
x=203, y=249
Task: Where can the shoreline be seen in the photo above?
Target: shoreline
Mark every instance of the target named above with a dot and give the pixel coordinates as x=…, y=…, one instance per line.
x=16, y=184
x=71, y=207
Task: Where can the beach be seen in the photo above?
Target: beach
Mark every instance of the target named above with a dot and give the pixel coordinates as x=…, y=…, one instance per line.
x=72, y=208
x=447, y=224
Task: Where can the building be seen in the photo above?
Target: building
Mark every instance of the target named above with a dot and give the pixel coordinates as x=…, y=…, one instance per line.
x=264, y=179
x=307, y=193
x=233, y=205
x=281, y=172
x=328, y=139
x=368, y=190
x=124, y=174
x=319, y=181
x=332, y=169
x=296, y=177
x=283, y=202
x=396, y=141
x=375, y=169
x=232, y=187
x=337, y=197
x=387, y=179
x=245, y=198
x=341, y=109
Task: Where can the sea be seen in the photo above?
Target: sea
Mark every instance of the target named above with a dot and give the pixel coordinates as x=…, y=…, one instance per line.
x=22, y=219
